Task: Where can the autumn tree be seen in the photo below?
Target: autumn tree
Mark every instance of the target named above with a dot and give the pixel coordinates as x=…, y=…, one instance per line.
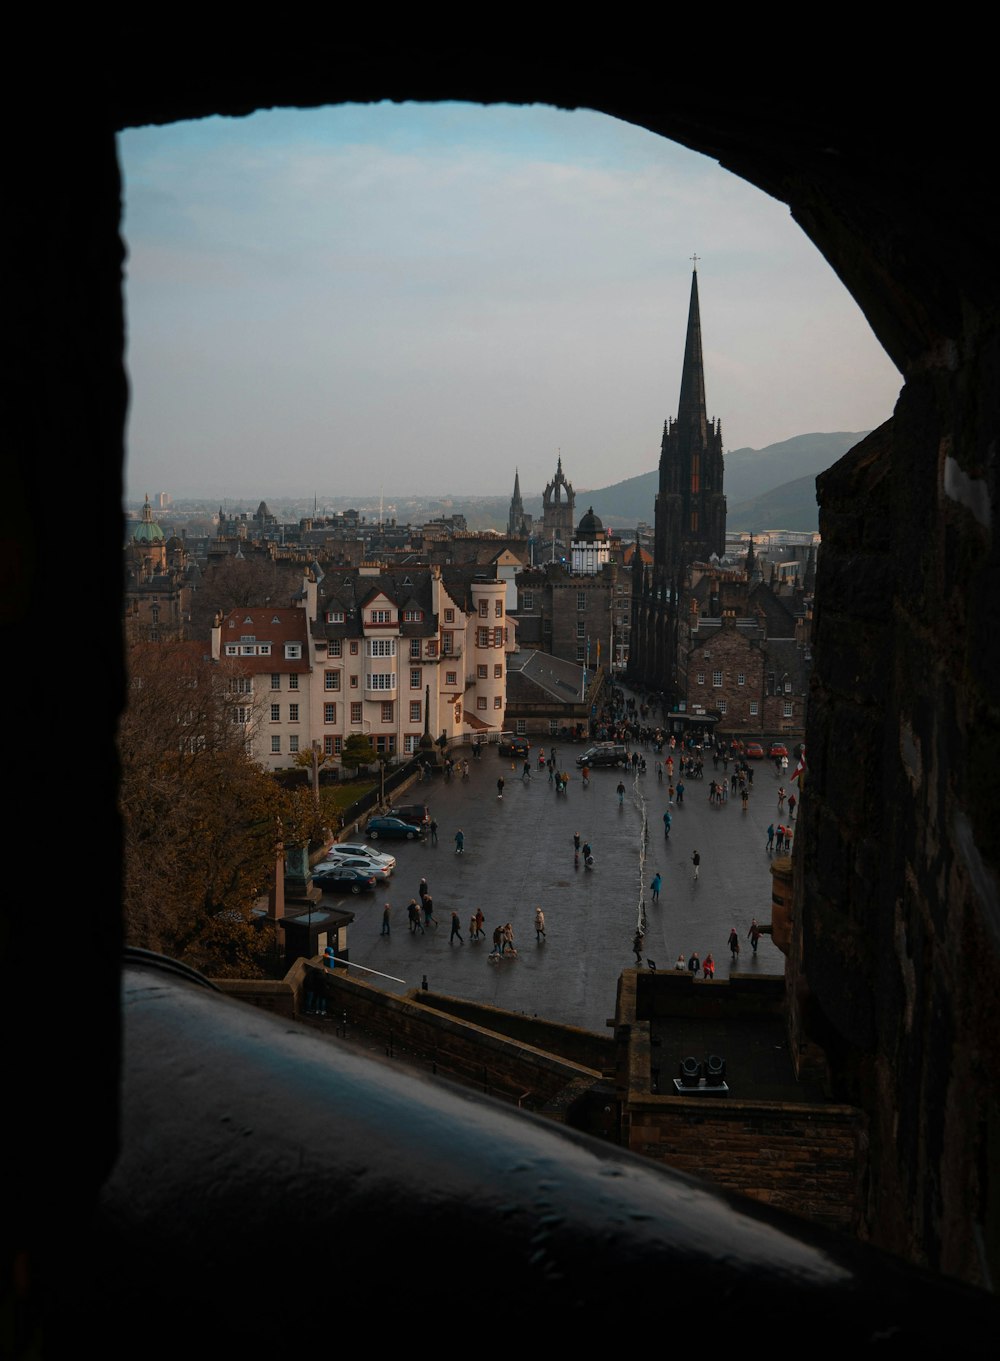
x=202, y=821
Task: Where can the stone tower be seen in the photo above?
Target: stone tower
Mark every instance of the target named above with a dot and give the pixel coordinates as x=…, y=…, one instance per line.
x=689, y=519
x=516, y=523
x=690, y=513
x=559, y=508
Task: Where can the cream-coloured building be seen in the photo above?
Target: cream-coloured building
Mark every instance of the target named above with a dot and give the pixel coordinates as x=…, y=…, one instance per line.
x=375, y=651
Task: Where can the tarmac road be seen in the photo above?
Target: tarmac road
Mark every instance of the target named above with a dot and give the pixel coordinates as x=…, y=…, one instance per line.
x=519, y=855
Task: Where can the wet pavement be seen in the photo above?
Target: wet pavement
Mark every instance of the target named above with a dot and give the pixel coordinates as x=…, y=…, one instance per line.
x=519, y=854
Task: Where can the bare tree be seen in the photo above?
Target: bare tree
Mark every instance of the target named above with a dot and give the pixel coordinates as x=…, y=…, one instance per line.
x=240, y=582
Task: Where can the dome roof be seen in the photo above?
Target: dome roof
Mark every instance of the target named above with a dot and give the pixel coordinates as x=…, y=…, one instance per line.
x=590, y=524
x=147, y=530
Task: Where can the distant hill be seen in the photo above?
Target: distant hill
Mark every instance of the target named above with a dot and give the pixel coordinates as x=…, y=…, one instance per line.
x=752, y=476
x=791, y=506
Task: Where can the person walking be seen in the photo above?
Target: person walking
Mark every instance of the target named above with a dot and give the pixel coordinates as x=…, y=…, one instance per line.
x=770, y=837
x=637, y=946
x=753, y=935
x=791, y=805
x=385, y=920
x=428, y=905
x=696, y=862
x=508, y=940
x=500, y=787
x=526, y=770
x=670, y=793
x=781, y=796
x=480, y=919
x=497, y=940
x=734, y=945
x=434, y=832
x=621, y=793
x=539, y=925
x=459, y=842
x=680, y=793
x=667, y=823
x=576, y=841
x=456, y=929
x=655, y=886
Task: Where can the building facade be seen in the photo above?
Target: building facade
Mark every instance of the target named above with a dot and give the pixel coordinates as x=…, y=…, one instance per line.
x=385, y=653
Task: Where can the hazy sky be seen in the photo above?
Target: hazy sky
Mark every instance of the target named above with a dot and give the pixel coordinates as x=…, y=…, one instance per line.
x=423, y=298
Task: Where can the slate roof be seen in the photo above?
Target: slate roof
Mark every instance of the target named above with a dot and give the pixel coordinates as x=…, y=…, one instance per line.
x=267, y=624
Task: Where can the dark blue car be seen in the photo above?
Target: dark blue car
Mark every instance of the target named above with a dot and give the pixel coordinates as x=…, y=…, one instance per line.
x=392, y=827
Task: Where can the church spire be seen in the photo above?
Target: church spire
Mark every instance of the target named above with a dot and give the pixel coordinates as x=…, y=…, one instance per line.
x=692, y=410
x=515, y=516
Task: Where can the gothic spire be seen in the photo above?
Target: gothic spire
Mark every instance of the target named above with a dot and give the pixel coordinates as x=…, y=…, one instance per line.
x=691, y=410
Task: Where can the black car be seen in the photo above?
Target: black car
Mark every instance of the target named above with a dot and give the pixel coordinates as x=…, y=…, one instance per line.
x=343, y=879
x=418, y=814
x=509, y=745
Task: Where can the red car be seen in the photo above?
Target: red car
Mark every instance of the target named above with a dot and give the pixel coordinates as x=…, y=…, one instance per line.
x=777, y=749
x=754, y=751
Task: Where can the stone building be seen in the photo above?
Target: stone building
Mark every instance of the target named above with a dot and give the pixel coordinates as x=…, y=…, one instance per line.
x=158, y=582
x=570, y=611
x=690, y=521
x=374, y=650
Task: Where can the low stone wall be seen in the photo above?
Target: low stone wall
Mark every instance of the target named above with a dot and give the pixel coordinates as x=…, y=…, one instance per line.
x=679, y=994
x=805, y=1159
x=569, y=1042
x=452, y=1047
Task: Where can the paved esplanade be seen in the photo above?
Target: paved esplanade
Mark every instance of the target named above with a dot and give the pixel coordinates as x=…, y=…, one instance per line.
x=519, y=855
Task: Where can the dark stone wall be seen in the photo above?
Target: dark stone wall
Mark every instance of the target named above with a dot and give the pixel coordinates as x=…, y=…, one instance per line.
x=898, y=897
x=897, y=834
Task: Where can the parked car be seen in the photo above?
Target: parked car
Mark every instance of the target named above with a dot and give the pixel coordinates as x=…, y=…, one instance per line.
x=417, y=813
x=777, y=749
x=381, y=873
x=343, y=879
x=603, y=754
x=392, y=827
x=362, y=848
x=754, y=751
x=512, y=745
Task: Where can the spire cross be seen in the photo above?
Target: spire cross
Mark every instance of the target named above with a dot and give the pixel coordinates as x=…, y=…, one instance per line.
x=694, y=261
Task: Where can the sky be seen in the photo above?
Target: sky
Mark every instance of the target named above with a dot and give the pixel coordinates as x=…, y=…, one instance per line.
x=420, y=299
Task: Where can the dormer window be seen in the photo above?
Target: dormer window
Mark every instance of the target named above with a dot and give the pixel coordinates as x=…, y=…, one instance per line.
x=293, y=652
x=413, y=616
x=380, y=616
x=335, y=616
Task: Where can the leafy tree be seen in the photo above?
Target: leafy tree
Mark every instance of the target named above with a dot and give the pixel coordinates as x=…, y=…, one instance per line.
x=358, y=751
